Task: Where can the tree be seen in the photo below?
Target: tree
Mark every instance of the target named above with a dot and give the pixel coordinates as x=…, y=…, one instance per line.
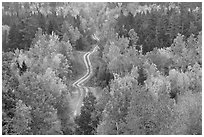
x=41, y=86
x=115, y=110
x=34, y=91
x=70, y=33
x=102, y=102
x=8, y=111
x=9, y=86
x=120, y=65
x=22, y=119
x=5, y=33
x=188, y=115
x=122, y=43
x=150, y=68
x=150, y=111
x=86, y=122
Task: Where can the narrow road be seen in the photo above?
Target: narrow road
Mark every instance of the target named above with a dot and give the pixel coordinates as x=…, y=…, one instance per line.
x=80, y=82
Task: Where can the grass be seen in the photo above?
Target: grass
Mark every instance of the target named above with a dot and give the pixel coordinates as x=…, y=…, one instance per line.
x=91, y=82
x=79, y=71
x=78, y=65
x=94, y=63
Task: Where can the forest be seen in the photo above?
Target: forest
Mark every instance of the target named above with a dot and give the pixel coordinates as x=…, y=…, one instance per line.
x=145, y=78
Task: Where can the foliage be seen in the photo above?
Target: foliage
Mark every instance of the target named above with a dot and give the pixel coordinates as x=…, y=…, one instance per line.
x=9, y=86
x=185, y=51
x=188, y=115
x=116, y=108
x=22, y=119
x=40, y=87
x=158, y=24
x=149, y=68
x=86, y=122
x=71, y=34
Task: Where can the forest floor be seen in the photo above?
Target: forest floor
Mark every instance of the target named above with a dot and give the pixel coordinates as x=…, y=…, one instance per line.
x=78, y=65
x=77, y=93
x=79, y=70
x=90, y=82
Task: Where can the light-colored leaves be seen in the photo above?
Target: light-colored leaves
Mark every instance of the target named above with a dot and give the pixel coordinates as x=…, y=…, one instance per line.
x=114, y=52
x=22, y=119
x=188, y=115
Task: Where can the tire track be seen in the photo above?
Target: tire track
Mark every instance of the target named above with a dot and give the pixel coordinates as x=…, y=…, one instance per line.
x=80, y=82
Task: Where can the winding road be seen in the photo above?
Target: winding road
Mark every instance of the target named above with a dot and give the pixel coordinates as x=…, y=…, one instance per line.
x=79, y=84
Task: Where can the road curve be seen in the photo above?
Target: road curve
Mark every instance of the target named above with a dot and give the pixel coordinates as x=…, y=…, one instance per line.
x=80, y=82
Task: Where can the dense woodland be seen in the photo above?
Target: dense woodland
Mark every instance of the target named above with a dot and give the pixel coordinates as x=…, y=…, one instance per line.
x=148, y=68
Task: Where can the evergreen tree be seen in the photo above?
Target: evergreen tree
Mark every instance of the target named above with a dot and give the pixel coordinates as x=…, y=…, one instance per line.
x=86, y=122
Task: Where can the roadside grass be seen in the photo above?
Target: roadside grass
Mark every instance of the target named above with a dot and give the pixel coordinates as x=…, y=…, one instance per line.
x=78, y=65
x=79, y=69
x=90, y=83
x=94, y=59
